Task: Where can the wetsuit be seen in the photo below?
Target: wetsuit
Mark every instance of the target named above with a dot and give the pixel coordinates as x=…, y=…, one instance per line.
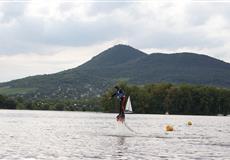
x=120, y=94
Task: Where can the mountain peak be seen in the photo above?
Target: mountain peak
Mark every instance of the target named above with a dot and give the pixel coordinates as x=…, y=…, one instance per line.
x=115, y=55
x=121, y=46
x=123, y=49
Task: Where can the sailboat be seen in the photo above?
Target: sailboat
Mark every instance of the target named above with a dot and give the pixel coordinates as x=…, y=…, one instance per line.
x=128, y=107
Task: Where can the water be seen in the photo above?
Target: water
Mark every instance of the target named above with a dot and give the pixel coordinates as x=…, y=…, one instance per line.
x=81, y=135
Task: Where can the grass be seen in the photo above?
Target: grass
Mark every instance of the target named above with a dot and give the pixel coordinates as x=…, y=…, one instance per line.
x=13, y=91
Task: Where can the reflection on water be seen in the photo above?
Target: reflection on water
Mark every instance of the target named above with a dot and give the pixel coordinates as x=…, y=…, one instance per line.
x=121, y=149
x=121, y=141
x=81, y=135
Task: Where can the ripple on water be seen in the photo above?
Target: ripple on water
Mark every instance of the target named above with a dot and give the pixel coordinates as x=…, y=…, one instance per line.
x=77, y=135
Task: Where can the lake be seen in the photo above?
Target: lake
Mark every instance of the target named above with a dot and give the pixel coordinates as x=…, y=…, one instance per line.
x=83, y=135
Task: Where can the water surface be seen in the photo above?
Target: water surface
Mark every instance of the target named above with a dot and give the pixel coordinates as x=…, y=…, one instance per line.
x=82, y=135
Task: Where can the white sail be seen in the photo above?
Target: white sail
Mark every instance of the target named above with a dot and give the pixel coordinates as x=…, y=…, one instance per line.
x=128, y=107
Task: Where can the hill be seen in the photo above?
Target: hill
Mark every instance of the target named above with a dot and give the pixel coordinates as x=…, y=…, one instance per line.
x=126, y=63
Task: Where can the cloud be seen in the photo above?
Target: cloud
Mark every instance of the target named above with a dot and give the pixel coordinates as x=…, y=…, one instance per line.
x=43, y=26
x=11, y=11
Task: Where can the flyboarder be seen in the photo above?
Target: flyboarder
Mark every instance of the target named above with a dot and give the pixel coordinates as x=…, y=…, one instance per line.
x=120, y=94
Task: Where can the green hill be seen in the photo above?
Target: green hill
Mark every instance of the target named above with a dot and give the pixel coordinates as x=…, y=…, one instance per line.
x=122, y=62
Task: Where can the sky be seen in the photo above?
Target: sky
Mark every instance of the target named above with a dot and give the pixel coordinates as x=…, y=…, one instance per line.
x=48, y=36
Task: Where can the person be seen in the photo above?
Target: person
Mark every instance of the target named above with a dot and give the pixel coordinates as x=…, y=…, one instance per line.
x=120, y=94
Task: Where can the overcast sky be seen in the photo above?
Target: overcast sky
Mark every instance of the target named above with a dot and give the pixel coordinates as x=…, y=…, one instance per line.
x=42, y=37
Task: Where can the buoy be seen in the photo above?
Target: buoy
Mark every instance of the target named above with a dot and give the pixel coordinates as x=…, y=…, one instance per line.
x=189, y=123
x=169, y=128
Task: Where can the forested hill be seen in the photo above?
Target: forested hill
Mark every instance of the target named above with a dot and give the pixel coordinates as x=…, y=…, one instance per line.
x=125, y=63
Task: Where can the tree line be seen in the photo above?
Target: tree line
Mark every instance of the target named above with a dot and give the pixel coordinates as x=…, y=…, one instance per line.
x=151, y=98
x=174, y=99
x=50, y=104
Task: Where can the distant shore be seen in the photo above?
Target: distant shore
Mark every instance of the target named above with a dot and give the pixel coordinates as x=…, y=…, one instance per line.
x=148, y=99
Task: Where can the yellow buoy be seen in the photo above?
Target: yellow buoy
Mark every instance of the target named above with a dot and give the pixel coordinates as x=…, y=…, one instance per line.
x=169, y=128
x=189, y=123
